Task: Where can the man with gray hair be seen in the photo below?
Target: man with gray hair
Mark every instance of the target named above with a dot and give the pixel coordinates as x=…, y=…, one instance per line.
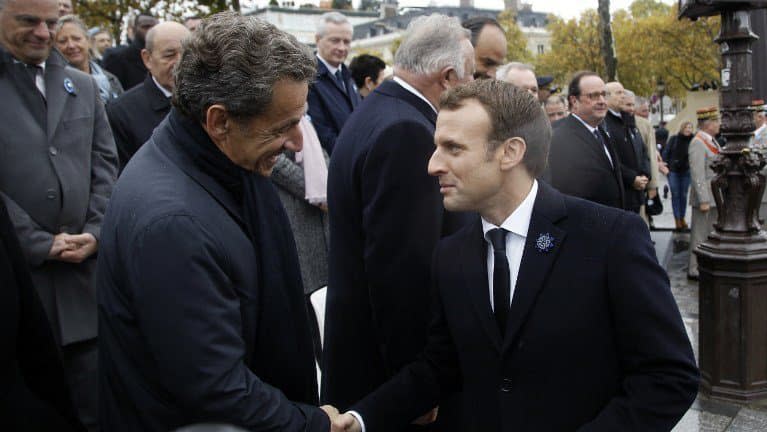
x=200, y=297
x=556, y=108
x=333, y=95
x=520, y=75
x=386, y=214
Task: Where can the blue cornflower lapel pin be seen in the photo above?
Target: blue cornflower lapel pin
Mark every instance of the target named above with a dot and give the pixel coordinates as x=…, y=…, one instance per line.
x=545, y=242
x=69, y=86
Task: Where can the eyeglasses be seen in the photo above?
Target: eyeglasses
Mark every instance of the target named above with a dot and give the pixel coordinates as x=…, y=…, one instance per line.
x=596, y=95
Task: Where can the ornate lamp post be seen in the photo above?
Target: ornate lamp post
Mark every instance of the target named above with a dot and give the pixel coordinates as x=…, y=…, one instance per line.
x=733, y=261
x=661, y=90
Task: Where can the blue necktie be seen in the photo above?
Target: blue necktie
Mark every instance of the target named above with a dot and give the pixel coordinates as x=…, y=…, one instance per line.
x=340, y=79
x=501, y=277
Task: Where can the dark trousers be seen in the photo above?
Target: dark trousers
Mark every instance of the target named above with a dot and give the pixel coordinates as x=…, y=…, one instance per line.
x=81, y=367
x=679, y=183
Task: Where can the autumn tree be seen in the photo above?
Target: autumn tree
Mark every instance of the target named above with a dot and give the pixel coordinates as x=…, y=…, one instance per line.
x=516, y=41
x=574, y=47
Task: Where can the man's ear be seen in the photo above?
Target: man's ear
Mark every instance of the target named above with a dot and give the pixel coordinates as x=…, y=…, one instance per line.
x=145, y=54
x=514, y=150
x=217, y=123
x=445, y=76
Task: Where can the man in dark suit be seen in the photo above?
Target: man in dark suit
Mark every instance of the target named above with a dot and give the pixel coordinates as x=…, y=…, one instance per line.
x=201, y=305
x=629, y=147
x=125, y=61
x=386, y=215
x=582, y=162
x=57, y=167
x=551, y=313
x=333, y=95
x=135, y=114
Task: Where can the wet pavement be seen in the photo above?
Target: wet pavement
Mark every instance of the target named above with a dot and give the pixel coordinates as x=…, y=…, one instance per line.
x=705, y=415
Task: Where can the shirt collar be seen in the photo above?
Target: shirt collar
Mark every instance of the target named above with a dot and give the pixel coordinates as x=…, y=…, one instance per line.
x=590, y=128
x=331, y=69
x=518, y=221
x=413, y=90
x=162, y=89
x=41, y=65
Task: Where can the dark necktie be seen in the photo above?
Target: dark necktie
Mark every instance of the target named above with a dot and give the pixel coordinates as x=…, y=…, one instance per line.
x=501, y=277
x=602, y=144
x=340, y=79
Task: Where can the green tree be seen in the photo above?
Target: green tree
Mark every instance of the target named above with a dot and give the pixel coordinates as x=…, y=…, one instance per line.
x=342, y=4
x=574, y=47
x=515, y=40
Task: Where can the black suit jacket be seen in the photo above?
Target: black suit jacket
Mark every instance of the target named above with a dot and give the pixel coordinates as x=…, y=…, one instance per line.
x=329, y=105
x=578, y=165
x=35, y=394
x=631, y=151
x=134, y=115
x=186, y=333
x=126, y=64
x=386, y=216
x=593, y=332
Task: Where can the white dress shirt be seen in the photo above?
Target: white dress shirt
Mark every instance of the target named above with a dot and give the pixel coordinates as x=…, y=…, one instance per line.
x=517, y=225
x=164, y=91
x=331, y=69
x=39, y=77
x=591, y=130
x=413, y=90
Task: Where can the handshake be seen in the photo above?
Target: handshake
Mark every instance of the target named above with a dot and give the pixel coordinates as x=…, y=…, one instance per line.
x=347, y=422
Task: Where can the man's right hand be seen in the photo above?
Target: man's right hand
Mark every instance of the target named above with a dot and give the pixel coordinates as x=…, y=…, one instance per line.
x=640, y=182
x=59, y=245
x=345, y=422
x=705, y=207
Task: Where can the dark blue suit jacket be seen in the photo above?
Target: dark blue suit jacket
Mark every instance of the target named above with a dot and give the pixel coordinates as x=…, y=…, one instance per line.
x=329, y=105
x=593, y=333
x=386, y=216
x=186, y=333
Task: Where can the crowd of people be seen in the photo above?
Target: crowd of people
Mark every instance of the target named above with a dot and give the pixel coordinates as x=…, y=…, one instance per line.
x=169, y=207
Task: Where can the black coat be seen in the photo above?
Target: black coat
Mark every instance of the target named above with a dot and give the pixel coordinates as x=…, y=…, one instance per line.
x=386, y=216
x=134, y=115
x=187, y=335
x=329, y=105
x=578, y=165
x=594, y=339
x=34, y=395
x=126, y=64
x=632, y=153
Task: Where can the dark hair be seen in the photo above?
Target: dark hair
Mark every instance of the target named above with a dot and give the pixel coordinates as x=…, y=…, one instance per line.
x=364, y=66
x=513, y=113
x=574, y=89
x=141, y=14
x=476, y=24
x=222, y=62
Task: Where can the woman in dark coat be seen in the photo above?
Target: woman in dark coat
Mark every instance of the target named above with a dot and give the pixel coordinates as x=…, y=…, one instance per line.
x=33, y=391
x=675, y=155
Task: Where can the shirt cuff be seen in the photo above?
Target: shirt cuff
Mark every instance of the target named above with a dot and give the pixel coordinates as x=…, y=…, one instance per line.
x=357, y=416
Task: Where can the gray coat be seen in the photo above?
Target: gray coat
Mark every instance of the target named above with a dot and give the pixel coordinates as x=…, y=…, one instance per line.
x=309, y=223
x=701, y=173
x=57, y=166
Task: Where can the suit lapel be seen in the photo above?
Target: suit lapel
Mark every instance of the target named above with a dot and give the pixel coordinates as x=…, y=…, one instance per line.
x=392, y=88
x=537, y=259
x=56, y=94
x=26, y=89
x=474, y=268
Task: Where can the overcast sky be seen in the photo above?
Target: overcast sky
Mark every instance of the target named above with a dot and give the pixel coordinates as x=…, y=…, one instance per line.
x=563, y=8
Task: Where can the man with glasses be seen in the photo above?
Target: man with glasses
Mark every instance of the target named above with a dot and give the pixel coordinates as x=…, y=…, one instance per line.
x=582, y=161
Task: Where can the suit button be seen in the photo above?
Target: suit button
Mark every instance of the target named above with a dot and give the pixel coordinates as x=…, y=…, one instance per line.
x=506, y=385
x=53, y=151
x=50, y=194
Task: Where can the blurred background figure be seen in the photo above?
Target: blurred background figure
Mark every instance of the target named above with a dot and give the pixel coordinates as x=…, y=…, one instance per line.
x=676, y=156
x=368, y=72
x=545, y=89
x=73, y=42
x=520, y=75
x=191, y=23
x=125, y=61
x=65, y=7
x=101, y=41
x=556, y=108
x=489, y=42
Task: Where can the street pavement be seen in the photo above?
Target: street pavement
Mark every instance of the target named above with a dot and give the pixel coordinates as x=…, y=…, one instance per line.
x=705, y=415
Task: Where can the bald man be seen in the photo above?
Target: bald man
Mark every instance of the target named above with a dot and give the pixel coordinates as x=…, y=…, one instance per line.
x=135, y=114
x=520, y=75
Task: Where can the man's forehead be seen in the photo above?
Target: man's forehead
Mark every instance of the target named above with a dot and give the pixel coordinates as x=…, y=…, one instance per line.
x=336, y=28
x=592, y=82
x=38, y=8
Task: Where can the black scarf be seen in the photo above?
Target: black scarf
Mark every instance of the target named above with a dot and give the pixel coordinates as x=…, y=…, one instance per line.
x=279, y=275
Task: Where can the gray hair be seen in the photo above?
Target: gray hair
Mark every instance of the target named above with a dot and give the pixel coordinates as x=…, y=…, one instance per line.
x=330, y=17
x=70, y=19
x=504, y=70
x=629, y=93
x=639, y=101
x=223, y=62
x=555, y=99
x=432, y=43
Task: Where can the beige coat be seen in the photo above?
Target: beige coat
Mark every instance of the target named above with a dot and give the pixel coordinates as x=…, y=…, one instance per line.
x=648, y=137
x=701, y=157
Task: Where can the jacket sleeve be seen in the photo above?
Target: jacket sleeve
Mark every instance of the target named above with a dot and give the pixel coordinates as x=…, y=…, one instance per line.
x=697, y=154
x=35, y=241
x=402, y=217
x=103, y=167
x=668, y=149
x=660, y=375
x=321, y=120
x=418, y=387
x=189, y=311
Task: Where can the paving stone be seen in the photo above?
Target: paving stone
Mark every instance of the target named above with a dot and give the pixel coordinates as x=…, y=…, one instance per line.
x=749, y=420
